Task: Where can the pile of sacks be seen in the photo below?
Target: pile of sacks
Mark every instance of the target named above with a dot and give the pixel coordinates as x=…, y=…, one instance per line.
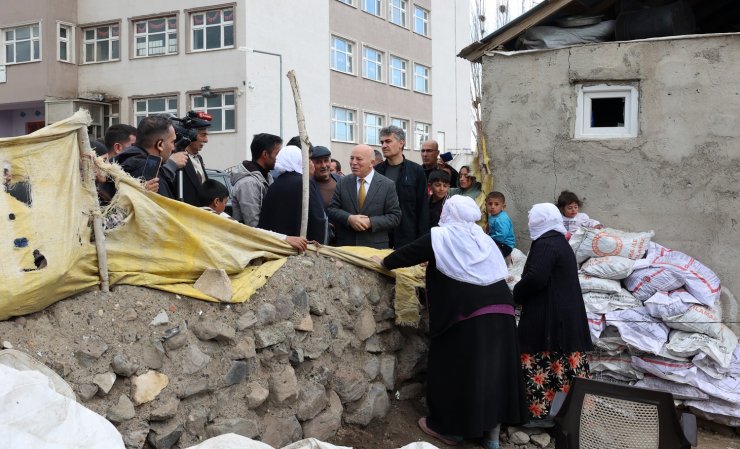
x=655, y=320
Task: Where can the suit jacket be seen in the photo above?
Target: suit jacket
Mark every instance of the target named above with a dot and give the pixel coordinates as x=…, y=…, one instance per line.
x=381, y=205
x=191, y=186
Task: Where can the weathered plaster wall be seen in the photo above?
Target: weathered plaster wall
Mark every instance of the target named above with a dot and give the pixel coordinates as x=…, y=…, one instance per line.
x=679, y=177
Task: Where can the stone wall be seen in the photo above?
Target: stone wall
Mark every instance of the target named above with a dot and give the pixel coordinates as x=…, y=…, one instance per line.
x=315, y=347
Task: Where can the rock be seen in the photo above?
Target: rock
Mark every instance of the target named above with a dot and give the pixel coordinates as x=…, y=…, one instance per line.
x=146, y=387
x=411, y=391
x=237, y=373
x=284, y=308
x=411, y=358
x=122, y=411
x=325, y=425
x=272, y=335
x=372, y=367
x=373, y=345
x=195, y=423
x=519, y=438
x=385, y=313
x=165, y=410
x=214, y=330
x=283, y=384
x=374, y=404
x=194, y=360
x=333, y=329
x=7, y=345
x=165, y=435
x=247, y=320
x=215, y=283
x=318, y=305
x=281, y=431
x=241, y=426
x=131, y=315
x=311, y=400
x=161, y=318
x=373, y=297
x=540, y=439
x=266, y=314
x=305, y=324
x=87, y=391
x=89, y=349
x=296, y=357
x=301, y=300
x=392, y=340
x=123, y=366
x=194, y=387
x=176, y=337
x=356, y=296
x=349, y=383
x=256, y=394
x=152, y=355
x=365, y=325
x=314, y=346
x=388, y=370
x=382, y=326
x=245, y=349
x=134, y=432
x=104, y=381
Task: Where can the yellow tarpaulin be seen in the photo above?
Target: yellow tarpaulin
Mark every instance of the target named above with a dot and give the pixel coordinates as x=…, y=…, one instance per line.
x=150, y=240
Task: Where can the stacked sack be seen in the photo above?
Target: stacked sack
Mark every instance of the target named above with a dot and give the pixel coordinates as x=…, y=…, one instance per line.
x=655, y=320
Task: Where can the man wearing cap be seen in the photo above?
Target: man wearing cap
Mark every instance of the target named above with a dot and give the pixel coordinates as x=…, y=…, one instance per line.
x=194, y=174
x=326, y=181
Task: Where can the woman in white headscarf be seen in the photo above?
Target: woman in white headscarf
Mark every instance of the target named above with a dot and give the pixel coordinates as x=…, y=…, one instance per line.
x=553, y=329
x=474, y=380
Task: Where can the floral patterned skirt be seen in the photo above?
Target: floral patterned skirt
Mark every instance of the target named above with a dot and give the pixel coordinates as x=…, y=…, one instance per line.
x=546, y=373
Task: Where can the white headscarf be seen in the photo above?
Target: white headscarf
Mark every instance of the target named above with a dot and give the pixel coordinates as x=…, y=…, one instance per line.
x=289, y=159
x=545, y=217
x=461, y=249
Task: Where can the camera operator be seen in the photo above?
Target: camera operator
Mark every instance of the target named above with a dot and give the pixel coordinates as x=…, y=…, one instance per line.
x=192, y=133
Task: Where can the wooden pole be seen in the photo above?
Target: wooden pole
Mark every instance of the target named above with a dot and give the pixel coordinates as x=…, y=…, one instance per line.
x=304, y=148
x=86, y=154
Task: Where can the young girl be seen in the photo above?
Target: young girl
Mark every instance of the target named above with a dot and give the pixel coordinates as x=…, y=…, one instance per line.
x=570, y=207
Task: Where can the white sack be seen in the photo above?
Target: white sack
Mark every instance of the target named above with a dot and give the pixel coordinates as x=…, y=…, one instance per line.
x=24, y=362
x=610, y=341
x=638, y=329
x=710, y=367
x=727, y=389
x=231, y=441
x=33, y=415
x=700, y=281
x=689, y=316
x=722, y=412
x=661, y=305
x=312, y=443
x=609, y=267
x=681, y=372
x=588, y=243
x=679, y=391
x=687, y=344
x=518, y=259
x=592, y=284
x=620, y=364
x=645, y=282
x=598, y=302
x=596, y=325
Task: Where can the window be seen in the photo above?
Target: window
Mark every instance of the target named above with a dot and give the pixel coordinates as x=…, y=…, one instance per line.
x=401, y=123
x=23, y=44
x=212, y=30
x=421, y=21
x=221, y=107
x=155, y=37
x=421, y=134
x=347, y=2
x=397, y=12
x=342, y=124
x=102, y=43
x=65, y=42
x=421, y=78
x=606, y=111
x=156, y=105
x=372, y=64
x=371, y=6
x=341, y=55
x=398, y=71
x=373, y=125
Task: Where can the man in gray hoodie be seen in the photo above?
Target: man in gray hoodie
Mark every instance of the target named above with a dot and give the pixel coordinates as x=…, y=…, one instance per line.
x=252, y=178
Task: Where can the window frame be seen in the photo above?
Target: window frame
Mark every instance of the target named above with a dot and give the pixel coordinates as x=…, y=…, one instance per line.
x=405, y=71
x=586, y=92
x=192, y=28
x=401, y=120
x=69, y=41
x=224, y=108
x=84, y=42
x=377, y=128
x=350, y=57
x=366, y=61
x=352, y=124
x=166, y=96
x=425, y=20
x=135, y=35
x=347, y=2
x=31, y=39
x=420, y=138
x=404, y=12
x=378, y=3
x=427, y=78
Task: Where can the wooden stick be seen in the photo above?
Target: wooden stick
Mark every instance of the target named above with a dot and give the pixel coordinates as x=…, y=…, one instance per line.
x=87, y=169
x=305, y=144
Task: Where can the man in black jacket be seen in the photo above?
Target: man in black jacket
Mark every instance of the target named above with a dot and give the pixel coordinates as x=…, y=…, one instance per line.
x=194, y=174
x=411, y=187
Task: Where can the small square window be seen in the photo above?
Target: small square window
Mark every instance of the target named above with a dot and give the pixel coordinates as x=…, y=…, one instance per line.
x=212, y=30
x=220, y=105
x=606, y=111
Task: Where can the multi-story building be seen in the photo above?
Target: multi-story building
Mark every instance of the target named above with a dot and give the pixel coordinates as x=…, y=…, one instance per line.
x=360, y=65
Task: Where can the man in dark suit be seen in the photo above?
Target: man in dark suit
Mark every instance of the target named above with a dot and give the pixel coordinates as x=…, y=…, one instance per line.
x=194, y=173
x=364, y=208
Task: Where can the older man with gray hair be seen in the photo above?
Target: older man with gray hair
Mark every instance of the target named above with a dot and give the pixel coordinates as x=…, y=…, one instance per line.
x=411, y=187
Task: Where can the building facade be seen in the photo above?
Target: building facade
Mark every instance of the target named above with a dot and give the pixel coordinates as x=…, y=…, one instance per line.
x=360, y=65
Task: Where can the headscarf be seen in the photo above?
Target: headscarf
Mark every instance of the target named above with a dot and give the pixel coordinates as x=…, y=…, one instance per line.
x=289, y=159
x=545, y=217
x=461, y=249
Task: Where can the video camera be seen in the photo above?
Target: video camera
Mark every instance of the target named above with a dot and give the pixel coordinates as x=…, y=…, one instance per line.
x=186, y=128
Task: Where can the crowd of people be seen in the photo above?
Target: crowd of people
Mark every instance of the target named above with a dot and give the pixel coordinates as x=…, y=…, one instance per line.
x=484, y=369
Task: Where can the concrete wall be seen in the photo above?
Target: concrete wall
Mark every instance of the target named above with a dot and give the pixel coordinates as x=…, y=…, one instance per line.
x=679, y=176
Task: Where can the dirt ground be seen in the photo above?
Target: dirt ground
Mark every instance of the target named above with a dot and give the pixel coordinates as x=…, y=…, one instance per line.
x=399, y=428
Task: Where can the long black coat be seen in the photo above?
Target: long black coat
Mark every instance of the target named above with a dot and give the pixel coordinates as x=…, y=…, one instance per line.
x=553, y=314
x=191, y=185
x=281, y=208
